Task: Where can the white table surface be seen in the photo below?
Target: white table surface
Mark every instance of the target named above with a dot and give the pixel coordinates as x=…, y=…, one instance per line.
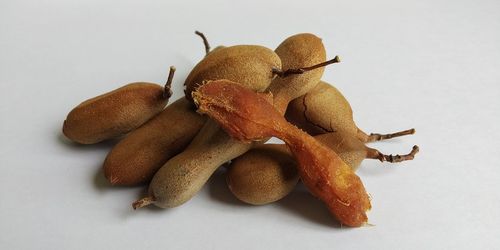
x=432, y=65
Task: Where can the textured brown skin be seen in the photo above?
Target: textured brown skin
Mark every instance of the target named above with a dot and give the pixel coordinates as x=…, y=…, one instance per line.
x=295, y=52
x=178, y=180
x=266, y=174
x=114, y=113
x=262, y=175
x=250, y=65
x=253, y=188
x=347, y=146
x=247, y=117
x=185, y=174
x=217, y=48
x=136, y=158
x=322, y=110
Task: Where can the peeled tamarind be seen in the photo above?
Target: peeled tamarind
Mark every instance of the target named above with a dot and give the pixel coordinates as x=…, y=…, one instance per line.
x=266, y=173
x=247, y=117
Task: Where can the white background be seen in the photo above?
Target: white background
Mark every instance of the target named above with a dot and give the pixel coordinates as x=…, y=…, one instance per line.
x=433, y=65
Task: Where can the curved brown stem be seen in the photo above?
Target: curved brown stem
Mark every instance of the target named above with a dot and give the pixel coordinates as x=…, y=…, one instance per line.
x=167, y=92
x=379, y=137
x=375, y=154
x=298, y=71
x=205, y=41
x=143, y=202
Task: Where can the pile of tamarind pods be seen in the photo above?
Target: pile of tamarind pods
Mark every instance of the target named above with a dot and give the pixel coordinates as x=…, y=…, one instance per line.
x=236, y=98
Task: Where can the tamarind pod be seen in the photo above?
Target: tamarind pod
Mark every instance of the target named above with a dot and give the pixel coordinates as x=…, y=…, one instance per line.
x=184, y=175
x=114, y=113
x=249, y=64
x=136, y=158
x=324, y=110
x=247, y=117
x=268, y=173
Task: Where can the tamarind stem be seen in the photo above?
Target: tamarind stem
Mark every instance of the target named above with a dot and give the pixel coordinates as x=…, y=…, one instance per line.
x=379, y=137
x=298, y=71
x=375, y=154
x=167, y=93
x=143, y=202
x=205, y=41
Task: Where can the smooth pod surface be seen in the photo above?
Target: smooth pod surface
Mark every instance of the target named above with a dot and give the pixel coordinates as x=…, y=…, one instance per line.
x=114, y=113
x=136, y=158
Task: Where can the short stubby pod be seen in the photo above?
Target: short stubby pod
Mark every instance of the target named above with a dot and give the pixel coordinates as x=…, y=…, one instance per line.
x=262, y=175
x=114, y=113
x=249, y=65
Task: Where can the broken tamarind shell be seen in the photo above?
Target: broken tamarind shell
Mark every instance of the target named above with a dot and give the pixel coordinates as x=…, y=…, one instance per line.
x=324, y=109
x=247, y=117
x=266, y=173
